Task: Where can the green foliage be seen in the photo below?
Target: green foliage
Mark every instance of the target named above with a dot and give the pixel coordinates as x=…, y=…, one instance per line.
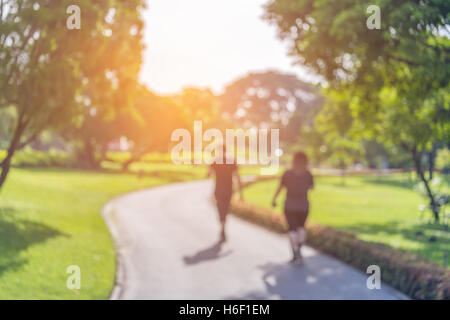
x=334, y=123
x=443, y=160
x=29, y=158
x=271, y=99
x=155, y=157
x=201, y=105
x=394, y=80
x=331, y=38
x=392, y=84
x=148, y=125
x=8, y=117
x=50, y=74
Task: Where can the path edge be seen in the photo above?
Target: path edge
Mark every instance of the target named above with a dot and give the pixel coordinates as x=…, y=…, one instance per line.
x=107, y=213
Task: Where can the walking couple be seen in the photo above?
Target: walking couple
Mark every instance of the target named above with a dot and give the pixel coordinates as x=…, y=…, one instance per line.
x=297, y=181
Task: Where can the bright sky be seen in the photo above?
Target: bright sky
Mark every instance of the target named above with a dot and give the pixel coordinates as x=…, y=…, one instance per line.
x=208, y=43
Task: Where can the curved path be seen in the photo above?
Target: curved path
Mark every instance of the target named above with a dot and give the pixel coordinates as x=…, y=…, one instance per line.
x=166, y=240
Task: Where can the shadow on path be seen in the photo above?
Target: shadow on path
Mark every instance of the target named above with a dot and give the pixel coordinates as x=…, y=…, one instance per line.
x=211, y=253
x=316, y=278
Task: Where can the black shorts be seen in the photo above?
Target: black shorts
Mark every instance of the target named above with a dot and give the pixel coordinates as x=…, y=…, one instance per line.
x=223, y=205
x=295, y=219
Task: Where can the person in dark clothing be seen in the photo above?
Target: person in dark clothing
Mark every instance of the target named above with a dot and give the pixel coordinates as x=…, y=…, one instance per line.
x=297, y=181
x=224, y=171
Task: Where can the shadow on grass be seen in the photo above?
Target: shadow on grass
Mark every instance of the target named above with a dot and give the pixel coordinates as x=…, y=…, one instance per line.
x=432, y=241
x=17, y=235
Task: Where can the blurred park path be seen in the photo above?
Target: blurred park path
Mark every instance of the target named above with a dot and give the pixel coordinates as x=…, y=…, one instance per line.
x=166, y=239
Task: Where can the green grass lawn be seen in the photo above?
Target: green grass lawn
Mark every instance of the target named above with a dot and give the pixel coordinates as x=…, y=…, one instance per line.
x=383, y=209
x=50, y=219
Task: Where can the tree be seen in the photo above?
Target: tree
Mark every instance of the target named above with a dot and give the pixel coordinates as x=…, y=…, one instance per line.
x=396, y=79
x=271, y=99
x=50, y=74
x=335, y=124
x=201, y=105
x=7, y=119
x=149, y=124
x=91, y=135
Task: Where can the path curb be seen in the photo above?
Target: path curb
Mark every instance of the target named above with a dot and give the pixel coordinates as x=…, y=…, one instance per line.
x=119, y=282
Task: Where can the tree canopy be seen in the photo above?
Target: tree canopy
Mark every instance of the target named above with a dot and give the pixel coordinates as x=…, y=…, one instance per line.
x=50, y=74
x=268, y=99
x=394, y=81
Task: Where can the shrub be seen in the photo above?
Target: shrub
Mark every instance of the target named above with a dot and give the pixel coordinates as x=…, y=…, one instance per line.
x=29, y=158
x=443, y=160
x=152, y=157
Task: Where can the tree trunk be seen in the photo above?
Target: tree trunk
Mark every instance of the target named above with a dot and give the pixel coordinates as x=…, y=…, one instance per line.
x=431, y=162
x=130, y=161
x=127, y=163
x=6, y=163
x=88, y=158
x=136, y=157
x=419, y=170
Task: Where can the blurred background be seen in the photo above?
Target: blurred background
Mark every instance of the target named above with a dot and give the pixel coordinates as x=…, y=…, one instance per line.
x=87, y=114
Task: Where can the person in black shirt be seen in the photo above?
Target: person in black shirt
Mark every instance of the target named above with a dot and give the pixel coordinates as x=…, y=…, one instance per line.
x=224, y=171
x=297, y=181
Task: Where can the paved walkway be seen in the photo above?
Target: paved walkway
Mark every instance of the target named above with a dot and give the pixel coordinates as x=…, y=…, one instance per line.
x=167, y=247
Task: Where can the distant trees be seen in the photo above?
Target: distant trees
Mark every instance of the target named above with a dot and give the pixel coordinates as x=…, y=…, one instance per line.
x=148, y=125
x=273, y=100
x=50, y=75
x=201, y=105
x=91, y=134
x=152, y=120
x=335, y=124
x=395, y=80
x=267, y=99
x=7, y=119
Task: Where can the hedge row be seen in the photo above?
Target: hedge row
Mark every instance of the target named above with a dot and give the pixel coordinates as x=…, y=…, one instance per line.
x=29, y=158
x=407, y=272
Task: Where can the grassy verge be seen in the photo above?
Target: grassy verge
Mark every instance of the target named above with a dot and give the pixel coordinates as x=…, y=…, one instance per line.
x=50, y=219
x=381, y=210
